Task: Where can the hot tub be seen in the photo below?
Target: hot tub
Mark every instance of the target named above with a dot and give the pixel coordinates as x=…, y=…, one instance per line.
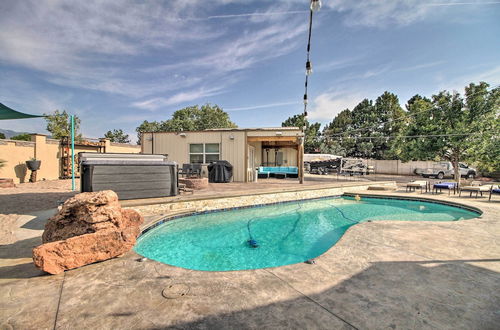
x=131, y=176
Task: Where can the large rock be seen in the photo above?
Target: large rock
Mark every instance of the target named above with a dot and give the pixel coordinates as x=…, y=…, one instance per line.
x=90, y=227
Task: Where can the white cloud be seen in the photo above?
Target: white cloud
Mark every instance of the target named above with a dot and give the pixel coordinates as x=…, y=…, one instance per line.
x=378, y=13
x=158, y=102
x=262, y=106
x=490, y=75
x=114, y=47
x=327, y=105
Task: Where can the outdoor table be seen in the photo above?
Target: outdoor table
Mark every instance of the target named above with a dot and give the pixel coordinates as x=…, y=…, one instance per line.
x=445, y=185
x=280, y=175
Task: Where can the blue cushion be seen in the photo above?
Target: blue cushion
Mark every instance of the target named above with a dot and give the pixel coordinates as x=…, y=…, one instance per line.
x=446, y=185
x=281, y=169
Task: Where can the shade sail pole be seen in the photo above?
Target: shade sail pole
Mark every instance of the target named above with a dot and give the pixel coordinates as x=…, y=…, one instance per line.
x=72, y=118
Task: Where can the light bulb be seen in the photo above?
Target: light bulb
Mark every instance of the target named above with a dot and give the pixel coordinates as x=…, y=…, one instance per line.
x=315, y=5
x=309, y=68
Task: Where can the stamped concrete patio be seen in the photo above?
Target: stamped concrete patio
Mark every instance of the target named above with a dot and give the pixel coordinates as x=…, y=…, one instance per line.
x=384, y=274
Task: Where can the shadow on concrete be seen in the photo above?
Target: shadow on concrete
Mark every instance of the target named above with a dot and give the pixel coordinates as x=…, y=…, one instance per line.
x=10, y=203
x=20, y=271
x=19, y=249
x=443, y=294
x=37, y=223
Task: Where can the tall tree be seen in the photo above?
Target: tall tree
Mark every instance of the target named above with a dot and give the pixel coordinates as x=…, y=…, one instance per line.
x=389, y=122
x=312, y=132
x=147, y=127
x=363, y=129
x=118, y=136
x=193, y=118
x=335, y=140
x=455, y=129
x=59, y=124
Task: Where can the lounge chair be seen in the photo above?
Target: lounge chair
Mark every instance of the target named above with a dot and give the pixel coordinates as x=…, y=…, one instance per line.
x=444, y=185
x=417, y=184
x=196, y=169
x=186, y=170
x=476, y=187
x=494, y=190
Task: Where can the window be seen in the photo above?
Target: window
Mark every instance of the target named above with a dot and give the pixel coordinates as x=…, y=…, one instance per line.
x=200, y=153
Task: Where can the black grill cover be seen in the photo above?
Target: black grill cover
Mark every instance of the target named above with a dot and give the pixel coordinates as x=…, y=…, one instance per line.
x=220, y=171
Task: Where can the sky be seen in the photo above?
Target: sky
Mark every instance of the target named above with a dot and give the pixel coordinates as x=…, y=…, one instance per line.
x=117, y=63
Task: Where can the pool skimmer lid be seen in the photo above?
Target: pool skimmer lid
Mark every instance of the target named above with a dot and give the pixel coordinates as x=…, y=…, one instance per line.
x=174, y=291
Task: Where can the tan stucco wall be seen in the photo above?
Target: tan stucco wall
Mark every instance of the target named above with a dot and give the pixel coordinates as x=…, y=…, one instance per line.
x=15, y=153
x=48, y=151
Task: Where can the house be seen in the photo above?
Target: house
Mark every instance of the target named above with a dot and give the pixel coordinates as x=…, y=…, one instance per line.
x=244, y=148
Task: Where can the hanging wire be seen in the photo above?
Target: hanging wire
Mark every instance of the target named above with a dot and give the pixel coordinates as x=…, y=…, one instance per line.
x=314, y=6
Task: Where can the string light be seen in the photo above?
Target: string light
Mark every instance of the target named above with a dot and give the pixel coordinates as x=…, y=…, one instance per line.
x=309, y=69
x=315, y=5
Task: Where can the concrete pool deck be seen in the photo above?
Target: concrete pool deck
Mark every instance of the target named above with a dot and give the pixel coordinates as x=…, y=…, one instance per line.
x=383, y=274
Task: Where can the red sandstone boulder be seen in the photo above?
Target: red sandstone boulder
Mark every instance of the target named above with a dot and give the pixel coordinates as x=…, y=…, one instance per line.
x=90, y=227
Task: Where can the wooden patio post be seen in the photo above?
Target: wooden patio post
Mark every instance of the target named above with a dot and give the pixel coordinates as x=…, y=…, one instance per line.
x=300, y=156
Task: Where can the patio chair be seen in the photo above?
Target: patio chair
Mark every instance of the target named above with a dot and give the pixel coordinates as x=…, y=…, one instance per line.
x=444, y=185
x=494, y=190
x=476, y=187
x=186, y=170
x=417, y=184
x=196, y=169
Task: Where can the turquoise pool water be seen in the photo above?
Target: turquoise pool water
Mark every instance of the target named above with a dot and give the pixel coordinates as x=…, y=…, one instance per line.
x=285, y=233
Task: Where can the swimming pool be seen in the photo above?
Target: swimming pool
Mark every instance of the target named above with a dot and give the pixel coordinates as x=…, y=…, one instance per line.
x=278, y=234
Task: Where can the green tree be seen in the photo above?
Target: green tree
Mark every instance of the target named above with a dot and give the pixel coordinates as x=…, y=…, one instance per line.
x=388, y=122
x=59, y=124
x=366, y=131
x=22, y=137
x=2, y=136
x=336, y=140
x=466, y=129
x=147, y=127
x=193, y=118
x=311, y=135
x=362, y=130
x=484, y=148
x=117, y=135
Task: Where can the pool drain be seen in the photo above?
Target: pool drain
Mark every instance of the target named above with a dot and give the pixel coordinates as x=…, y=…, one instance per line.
x=174, y=291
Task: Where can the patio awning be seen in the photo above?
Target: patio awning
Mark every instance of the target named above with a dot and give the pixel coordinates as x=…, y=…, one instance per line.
x=8, y=113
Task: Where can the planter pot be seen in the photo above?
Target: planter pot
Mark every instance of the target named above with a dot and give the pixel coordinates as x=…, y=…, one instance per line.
x=33, y=165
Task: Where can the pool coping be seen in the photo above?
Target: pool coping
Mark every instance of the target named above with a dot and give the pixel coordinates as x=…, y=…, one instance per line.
x=231, y=194
x=188, y=213
x=415, y=198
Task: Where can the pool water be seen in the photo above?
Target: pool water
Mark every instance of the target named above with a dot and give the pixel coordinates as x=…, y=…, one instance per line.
x=283, y=233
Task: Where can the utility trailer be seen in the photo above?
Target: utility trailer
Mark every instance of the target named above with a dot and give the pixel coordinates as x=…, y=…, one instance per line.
x=355, y=166
x=131, y=176
x=323, y=166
